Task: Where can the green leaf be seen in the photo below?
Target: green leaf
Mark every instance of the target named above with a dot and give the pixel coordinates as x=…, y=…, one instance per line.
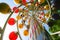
x=56, y=26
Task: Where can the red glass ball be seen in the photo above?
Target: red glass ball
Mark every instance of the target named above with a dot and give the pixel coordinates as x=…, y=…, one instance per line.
x=12, y=39
x=13, y=36
x=11, y=21
x=24, y=2
x=15, y=9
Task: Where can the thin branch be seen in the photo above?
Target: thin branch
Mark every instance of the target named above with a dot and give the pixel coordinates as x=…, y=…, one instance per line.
x=6, y=23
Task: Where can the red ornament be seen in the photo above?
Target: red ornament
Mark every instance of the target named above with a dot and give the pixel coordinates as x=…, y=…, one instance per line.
x=12, y=39
x=24, y=2
x=15, y=9
x=11, y=21
x=13, y=36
